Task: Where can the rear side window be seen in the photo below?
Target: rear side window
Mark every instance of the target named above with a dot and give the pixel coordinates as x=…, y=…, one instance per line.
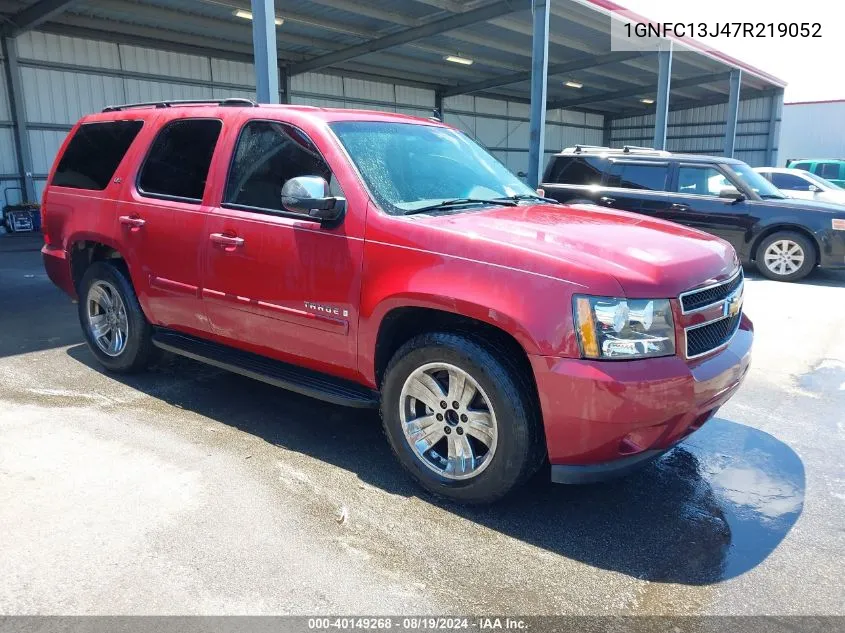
x=804, y=166
x=178, y=161
x=828, y=170
x=269, y=154
x=649, y=176
x=576, y=171
x=93, y=154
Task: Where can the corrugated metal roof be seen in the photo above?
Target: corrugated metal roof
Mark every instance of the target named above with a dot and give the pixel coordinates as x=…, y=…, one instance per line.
x=499, y=47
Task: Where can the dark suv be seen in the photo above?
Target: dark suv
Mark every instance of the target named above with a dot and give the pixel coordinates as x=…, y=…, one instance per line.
x=786, y=238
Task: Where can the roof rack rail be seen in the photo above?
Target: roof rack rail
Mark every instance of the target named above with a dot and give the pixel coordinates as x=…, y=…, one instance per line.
x=627, y=149
x=580, y=148
x=232, y=102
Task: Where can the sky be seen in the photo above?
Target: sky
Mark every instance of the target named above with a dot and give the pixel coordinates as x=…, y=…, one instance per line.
x=810, y=66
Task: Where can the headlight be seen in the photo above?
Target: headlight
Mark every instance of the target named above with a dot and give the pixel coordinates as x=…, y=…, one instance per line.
x=611, y=328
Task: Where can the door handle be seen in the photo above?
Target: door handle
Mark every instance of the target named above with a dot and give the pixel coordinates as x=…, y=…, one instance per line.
x=226, y=240
x=607, y=200
x=678, y=207
x=133, y=221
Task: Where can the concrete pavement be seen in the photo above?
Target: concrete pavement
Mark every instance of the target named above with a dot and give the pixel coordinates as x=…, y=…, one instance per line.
x=189, y=490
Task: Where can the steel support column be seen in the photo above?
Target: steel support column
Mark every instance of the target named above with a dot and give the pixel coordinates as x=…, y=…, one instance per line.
x=539, y=84
x=775, y=105
x=284, y=87
x=607, y=131
x=23, y=150
x=438, y=104
x=266, y=54
x=733, y=112
x=664, y=82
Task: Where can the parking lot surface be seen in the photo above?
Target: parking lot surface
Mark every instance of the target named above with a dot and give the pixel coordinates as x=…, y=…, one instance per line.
x=190, y=490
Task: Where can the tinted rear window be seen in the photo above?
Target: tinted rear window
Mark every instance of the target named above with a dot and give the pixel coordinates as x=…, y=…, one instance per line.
x=178, y=162
x=576, y=171
x=93, y=154
x=638, y=176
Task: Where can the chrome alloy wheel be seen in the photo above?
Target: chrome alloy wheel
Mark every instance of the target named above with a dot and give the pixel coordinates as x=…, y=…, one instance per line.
x=784, y=257
x=107, y=320
x=448, y=421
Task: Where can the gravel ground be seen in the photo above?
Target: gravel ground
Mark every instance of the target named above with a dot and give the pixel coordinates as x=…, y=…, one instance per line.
x=189, y=490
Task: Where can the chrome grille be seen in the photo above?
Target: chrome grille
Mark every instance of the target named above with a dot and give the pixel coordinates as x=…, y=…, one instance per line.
x=725, y=300
x=693, y=300
x=705, y=338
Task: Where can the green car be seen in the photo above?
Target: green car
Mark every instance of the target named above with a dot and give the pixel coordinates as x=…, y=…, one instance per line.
x=833, y=169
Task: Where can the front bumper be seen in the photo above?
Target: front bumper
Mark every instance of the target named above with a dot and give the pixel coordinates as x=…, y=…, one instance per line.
x=605, y=418
x=832, y=253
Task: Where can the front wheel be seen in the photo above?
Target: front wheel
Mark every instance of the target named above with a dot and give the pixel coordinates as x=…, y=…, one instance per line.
x=786, y=256
x=462, y=423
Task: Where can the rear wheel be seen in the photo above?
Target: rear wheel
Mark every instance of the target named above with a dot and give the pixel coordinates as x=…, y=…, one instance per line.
x=786, y=256
x=115, y=328
x=459, y=420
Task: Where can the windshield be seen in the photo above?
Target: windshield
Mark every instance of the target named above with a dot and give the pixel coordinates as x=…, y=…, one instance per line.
x=824, y=183
x=754, y=181
x=409, y=166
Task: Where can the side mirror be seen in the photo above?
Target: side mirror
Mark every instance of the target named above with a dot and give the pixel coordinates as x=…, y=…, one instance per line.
x=813, y=188
x=310, y=196
x=732, y=193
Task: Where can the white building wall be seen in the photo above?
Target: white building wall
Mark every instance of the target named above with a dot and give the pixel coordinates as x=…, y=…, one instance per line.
x=64, y=78
x=812, y=130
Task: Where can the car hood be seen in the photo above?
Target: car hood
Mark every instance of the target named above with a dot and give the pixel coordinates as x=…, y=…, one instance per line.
x=806, y=205
x=648, y=258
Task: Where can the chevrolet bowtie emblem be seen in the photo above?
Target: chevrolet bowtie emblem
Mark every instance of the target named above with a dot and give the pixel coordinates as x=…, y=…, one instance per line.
x=733, y=303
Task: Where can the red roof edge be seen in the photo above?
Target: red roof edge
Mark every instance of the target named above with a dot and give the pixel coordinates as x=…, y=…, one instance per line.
x=702, y=48
x=814, y=102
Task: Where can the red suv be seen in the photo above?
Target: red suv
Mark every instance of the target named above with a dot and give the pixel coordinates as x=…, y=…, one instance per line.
x=379, y=260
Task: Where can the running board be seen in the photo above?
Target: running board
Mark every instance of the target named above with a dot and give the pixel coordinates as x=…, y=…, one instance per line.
x=303, y=381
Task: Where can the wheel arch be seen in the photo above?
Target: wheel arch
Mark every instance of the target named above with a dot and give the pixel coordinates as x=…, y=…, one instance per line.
x=783, y=226
x=85, y=249
x=402, y=323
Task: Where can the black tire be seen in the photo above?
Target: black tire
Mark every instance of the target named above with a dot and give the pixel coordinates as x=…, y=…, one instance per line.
x=138, y=350
x=520, y=449
x=807, y=246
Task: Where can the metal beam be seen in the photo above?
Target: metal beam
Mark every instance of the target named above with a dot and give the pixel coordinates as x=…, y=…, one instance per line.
x=664, y=86
x=496, y=9
x=539, y=85
x=639, y=90
x=146, y=37
x=775, y=104
x=733, y=112
x=265, y=51
x=14, y=89
x=582, y=63
x=689, y=105
x=33, y=15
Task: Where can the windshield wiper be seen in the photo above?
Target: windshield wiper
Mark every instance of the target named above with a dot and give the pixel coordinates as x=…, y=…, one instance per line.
x=459, y=202
x=526, y=196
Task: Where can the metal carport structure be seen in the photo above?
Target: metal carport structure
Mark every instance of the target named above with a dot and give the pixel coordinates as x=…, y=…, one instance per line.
x=389, y=54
